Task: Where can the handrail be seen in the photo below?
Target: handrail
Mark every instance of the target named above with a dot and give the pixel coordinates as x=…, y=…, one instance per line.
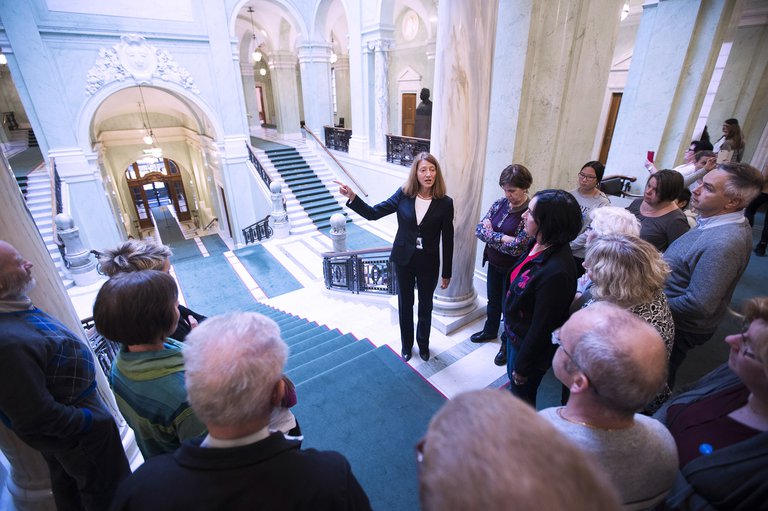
x=357, y=252
x=259, y=168
x=304, y=127
x=56, y=206
x=215, y=219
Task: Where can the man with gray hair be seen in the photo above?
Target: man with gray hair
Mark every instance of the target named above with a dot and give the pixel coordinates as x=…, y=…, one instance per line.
x=614, y=363
x=708, y=261
x=234, y=365
x=48, y=395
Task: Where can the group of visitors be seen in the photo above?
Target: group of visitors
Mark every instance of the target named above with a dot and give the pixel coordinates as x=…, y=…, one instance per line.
x=210, y=406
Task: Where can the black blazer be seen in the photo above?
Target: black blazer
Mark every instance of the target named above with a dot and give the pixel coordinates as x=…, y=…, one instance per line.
x=537, y=304
x=436, y=222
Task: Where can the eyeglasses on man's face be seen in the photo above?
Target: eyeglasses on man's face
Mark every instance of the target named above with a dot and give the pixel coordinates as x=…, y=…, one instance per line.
x=559, y=343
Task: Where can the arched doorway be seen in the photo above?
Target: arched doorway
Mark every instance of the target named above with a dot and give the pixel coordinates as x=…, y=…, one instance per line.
x=155, y=182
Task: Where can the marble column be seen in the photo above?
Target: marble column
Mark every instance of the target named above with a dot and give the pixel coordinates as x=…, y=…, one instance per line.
x=743, y=89
x=88, y=201
x=675, y=51
x=249, y=91
x=567, y=63
x=381, y=49
x=282, y=66
x=29, y=479
x=343, y=102
x=315, y=67
x=358, y=82
x=463, y=66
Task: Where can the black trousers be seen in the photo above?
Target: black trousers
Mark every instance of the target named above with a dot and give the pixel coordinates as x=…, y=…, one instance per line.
x=421, y=274
x=87, y=471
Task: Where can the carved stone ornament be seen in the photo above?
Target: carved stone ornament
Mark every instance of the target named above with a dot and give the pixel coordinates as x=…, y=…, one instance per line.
x=134, y=58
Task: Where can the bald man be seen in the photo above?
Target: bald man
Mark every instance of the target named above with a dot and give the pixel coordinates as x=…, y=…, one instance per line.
x=48, y=395
x=614, y=363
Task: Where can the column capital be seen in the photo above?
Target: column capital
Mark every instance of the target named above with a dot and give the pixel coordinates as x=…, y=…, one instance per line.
x=382, y=44
x=282, y=60
x=314, y=52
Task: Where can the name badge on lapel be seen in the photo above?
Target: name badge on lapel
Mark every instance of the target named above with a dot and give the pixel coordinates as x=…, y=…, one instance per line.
x=419, y=244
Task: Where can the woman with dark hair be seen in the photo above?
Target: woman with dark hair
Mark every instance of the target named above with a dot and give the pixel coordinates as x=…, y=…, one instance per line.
x=661, y=221
x=424, y=216
x=541, y=287
x=138, y=255
x=732, y=140
x=589, y=196
x=140, y=310
x=505, y=240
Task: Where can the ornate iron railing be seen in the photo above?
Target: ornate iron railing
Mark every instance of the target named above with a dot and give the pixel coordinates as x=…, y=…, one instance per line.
x=258, y=231
x=104, y=349
x=401, y=150
x=263, y=173
x=360, y=271
x=337, y=138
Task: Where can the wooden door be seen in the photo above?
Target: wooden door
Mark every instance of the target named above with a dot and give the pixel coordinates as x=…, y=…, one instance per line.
x=610, y=125
x=260, y=103
x=409, y=113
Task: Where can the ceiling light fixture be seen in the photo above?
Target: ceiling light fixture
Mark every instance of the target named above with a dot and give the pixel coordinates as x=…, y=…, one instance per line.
x=256, y=55
x=334, y=57
x=149, y=135
x=263, y=71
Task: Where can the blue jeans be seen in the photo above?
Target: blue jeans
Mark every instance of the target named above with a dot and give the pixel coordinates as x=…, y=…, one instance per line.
x=527, y=391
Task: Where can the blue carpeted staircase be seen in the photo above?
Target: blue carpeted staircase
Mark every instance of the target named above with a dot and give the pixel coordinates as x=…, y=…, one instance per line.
x=359, y=400
x=308, y=189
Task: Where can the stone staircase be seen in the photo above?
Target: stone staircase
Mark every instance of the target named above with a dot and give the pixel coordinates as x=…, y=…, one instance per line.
x=307, y=183
x=39, y=202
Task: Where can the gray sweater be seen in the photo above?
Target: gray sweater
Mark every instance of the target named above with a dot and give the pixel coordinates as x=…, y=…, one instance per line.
x=641, y=460
x=706, y=264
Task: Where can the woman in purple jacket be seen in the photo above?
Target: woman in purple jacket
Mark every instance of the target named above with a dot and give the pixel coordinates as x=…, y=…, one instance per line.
x=505, y=241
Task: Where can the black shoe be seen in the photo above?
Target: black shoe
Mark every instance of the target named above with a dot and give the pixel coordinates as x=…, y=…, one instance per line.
x=424, y=354
x=501, y=356
x=760, y=249
x=406, y=355
x=482, y=336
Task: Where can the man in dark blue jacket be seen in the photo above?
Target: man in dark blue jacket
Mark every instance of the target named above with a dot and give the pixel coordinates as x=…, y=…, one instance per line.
x=48, y=395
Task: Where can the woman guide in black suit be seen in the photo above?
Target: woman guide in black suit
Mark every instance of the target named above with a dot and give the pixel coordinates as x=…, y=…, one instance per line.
x=424, y=216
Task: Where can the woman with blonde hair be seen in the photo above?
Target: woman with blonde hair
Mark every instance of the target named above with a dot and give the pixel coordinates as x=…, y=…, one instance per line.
x=630, y=272
x=424, y=217
x=136, y=255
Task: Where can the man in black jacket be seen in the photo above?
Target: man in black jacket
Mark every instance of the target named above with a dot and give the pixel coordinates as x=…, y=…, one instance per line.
x=234, y=366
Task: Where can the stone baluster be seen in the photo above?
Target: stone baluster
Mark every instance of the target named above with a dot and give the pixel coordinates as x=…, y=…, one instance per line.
x=338, y=232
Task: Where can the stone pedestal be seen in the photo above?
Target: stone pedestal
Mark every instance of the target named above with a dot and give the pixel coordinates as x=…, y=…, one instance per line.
x=82, y=264
x=675, y=51
x=338, y=232
x=278, y=217
x=459, y=134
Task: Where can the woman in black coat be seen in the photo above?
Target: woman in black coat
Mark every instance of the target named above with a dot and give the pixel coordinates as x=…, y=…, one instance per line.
x=541, y=287
x=424, y=216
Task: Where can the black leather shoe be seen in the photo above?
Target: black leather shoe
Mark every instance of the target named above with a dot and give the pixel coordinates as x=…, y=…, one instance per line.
x=424, y=354
x=501, y=357
x=760, y=249
x=406, y=355
x=481, y=336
